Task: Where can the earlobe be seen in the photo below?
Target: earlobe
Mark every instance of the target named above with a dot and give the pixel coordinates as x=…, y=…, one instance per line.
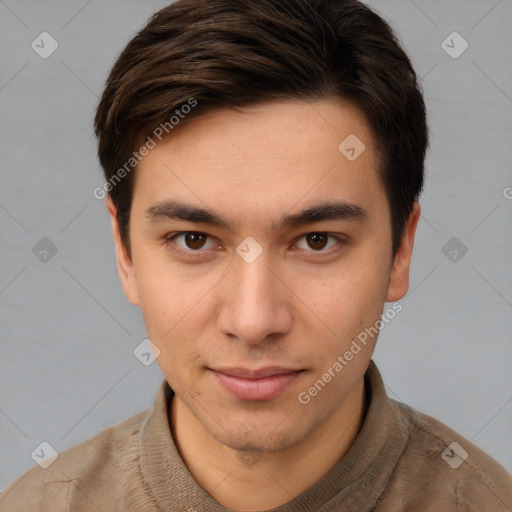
x=125, y=265
x=399, y=278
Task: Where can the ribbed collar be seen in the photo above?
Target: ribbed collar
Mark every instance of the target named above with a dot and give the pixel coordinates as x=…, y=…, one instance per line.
x=355, y=483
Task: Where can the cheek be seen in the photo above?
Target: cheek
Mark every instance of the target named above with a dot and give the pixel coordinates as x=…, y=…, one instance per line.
x=345, y=304
x=347, y=294
x=166, y=291
x=169, y=318
x=176, y=307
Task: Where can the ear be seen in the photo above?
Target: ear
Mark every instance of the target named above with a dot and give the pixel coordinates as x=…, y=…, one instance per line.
x=125, y=266
x=399, y=278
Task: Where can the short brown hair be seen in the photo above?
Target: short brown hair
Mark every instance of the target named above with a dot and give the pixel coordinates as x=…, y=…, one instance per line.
x=237, y=53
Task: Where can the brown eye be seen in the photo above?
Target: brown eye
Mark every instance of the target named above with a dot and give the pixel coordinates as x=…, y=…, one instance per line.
x=194, y=240
x=190, y=243
x=317, y=241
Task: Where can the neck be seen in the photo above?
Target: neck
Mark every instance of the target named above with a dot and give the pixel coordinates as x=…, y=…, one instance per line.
x=250, y=481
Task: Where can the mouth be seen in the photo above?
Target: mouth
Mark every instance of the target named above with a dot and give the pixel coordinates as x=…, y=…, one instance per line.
x=256, y=385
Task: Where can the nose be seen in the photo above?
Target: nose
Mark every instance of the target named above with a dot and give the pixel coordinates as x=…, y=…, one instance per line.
x=256, y=306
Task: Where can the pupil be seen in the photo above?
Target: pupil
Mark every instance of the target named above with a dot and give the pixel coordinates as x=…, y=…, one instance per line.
x=194, y=240
x=317, y=238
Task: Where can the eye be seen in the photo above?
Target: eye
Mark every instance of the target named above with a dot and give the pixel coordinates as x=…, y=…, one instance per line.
x=191, y=241
x=195, y=243
x=320, y=241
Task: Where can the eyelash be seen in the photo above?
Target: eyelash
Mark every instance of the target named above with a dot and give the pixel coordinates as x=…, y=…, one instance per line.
x=199, y=253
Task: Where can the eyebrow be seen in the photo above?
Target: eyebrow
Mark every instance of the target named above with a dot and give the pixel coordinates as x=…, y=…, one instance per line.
x=327, y=211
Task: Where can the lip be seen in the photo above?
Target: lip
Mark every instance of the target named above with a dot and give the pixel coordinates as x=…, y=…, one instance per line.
x=256, y=385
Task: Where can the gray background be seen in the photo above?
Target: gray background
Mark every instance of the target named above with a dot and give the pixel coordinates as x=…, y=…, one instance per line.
x=68, y=334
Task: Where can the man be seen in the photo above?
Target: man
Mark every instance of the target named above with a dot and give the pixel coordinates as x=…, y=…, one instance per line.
x=263, y=163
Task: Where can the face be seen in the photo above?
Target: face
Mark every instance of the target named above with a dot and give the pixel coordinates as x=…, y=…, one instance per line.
x=259, y=253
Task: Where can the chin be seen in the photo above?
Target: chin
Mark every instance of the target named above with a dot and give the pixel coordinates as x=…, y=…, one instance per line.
x=257, y=439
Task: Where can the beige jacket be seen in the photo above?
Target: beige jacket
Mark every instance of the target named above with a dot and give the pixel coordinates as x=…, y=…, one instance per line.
x=401, y=461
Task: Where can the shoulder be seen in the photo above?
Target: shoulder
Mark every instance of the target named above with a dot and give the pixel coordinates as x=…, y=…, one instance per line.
x=450, y=469
x=112, y=451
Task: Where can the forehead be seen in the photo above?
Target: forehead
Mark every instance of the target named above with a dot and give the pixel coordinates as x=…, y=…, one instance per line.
x=270, y=155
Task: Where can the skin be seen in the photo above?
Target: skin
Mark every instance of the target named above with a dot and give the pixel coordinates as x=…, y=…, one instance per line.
x=299, y=304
